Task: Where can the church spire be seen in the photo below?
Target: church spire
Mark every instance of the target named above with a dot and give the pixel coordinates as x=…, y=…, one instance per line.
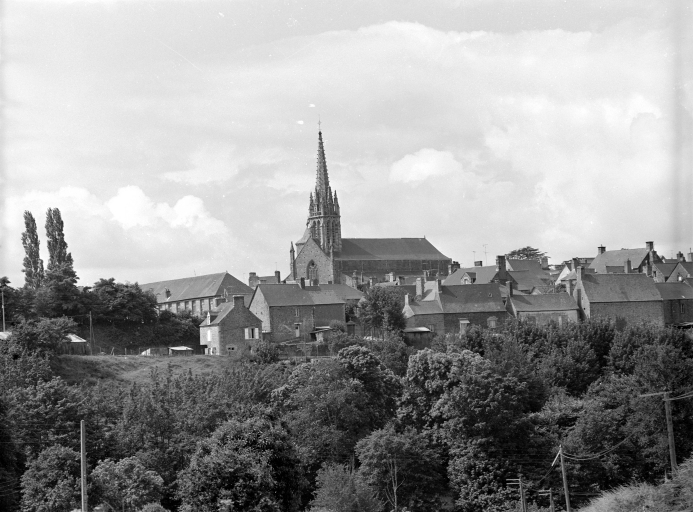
x=322, y=182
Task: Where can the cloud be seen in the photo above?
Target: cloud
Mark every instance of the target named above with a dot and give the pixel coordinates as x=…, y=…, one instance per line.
x=424, y=164
x=210, y=164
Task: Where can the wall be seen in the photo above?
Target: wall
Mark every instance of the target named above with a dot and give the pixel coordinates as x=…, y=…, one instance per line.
x=312, y=252
x=450, y=322
x=544, y=317
x=283, y=319
x=632, y=312
x=672, y=312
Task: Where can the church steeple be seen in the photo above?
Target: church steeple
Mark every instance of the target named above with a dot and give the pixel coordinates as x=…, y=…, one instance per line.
x=323, y=217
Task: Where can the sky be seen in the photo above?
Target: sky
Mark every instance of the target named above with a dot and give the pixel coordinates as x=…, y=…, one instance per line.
x=179, y=138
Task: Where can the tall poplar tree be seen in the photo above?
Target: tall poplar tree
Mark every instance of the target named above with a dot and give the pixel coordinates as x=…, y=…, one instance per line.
x=57, y=247
x=33, y=264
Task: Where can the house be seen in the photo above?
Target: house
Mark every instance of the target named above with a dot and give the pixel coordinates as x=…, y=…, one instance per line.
x=543, y=308
x=451, y=309
x=293, y=311
x=197, y=294
x=677, y=298
x=570, y=266
x=477, y=274
x=231, y=330
x=322, y=256
x=74, y=345
x=254, y=279
x=682, y=270
x=180, y=351
x=641, y=260
x=633, y=297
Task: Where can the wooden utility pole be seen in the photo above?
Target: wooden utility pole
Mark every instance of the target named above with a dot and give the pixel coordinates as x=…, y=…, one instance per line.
x=549, y=493
x=565, y=480
x=3, y=309
x=670, y=434
x=83, y=444
x=519, y=482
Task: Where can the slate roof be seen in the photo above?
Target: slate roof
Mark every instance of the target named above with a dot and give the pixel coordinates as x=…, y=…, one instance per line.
x=342, y=291
x=618, y=259
x=665, y=268
x=218, y=315
x=210, y=285
x=526, y=280
x=294, y=295
x=547, y=302
x=620, y=288
x=484, y=275
x=518, y=265
x=674, y=291
x=481, y=298
x=388, y=249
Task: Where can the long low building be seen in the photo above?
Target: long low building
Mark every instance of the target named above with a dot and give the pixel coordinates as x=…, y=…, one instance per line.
x=197, y=294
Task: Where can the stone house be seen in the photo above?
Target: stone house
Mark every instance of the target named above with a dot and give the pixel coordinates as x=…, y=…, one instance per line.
x=254, y=279
x=677, y=302
x=682, y=270
x=543, y=308
x=452, y=309
x=292, y=311
x=231, y=331
x=632, y=297
x=197, y=294
x=641, y=260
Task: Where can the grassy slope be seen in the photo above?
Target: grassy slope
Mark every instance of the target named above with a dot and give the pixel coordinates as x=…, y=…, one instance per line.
x=127, y=369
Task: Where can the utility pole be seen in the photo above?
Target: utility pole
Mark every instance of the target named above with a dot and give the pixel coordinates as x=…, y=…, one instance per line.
x=3, y=309
x=83, y=444
x=670, y=428
x=518, y=481
x=91, y=333
x=670, y=433
x=549, y=493
x=565, y=480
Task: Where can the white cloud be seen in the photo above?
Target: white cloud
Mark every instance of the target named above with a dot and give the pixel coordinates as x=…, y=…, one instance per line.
x=210, y=164
x=424, y=164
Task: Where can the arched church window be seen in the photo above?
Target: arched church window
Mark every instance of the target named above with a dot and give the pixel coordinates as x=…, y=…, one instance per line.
x=312, y=272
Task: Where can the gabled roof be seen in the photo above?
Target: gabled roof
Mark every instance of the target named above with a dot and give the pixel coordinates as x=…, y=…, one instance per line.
x=526, y=280
x=294, y=295
x=518, y=265
x=388, y=249
x=223, y=311
x=619, y=288
x=342, y=291
x=481, y=298
x=547, y=302
x=674, y=291
x=618, y=259
x=210, y=285
x=665, y=268
x=484, y=275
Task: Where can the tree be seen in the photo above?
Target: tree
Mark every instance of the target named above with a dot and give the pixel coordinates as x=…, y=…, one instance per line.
x=403, y=468
x=245, y=465
x=382, y=308
x=55, y=239
x=9, y=463
x=33, y=264
x=122, y=303
x=126, y=484
x=340, y=489
x=51, y=483
x=45, y=335
x=527, y=253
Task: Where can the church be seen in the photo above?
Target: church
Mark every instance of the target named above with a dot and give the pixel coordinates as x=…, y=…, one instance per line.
x=322, y=256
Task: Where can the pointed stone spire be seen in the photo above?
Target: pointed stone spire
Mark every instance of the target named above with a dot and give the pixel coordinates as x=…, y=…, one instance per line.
x=322, y=182
x=336, y=203
x=311, y=207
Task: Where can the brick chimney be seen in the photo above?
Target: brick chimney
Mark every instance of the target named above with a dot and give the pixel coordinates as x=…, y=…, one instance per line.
x=252, y=279
x=569, y=286
x=277, y=276
x=419, y=287
x=601, y=249
x=238, y=301
x=580, y=272
x=690, y=256
x=544, y=262
x=680, y=257
x=510, y=288
x=501, y=269
x=479, y=263
x=627, y=267
x=302, y=283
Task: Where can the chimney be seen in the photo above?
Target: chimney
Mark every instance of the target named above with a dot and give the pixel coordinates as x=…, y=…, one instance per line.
x=168, y=293
x=580, y=272
x=574, y=263
x=400, y=280
x=450, y=271
x=238, y=301
x=569, y=286
x=479, y=263
x=544, y=262
x=277, y=276
x=627, y=267
x=419, y=287
x=650, y=246
x=455, y=265
x=439, y=285
x=680, y=257
x=406, y=300
x=501, y=269
x=391, y=277
x=510, y=288
x=690, y=256
x=601, y=249
x=302, y=283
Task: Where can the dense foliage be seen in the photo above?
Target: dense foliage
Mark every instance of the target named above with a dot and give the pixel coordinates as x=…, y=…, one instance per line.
x=376, y=427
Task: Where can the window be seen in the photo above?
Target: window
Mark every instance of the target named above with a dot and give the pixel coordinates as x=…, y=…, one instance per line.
x=187, y=305
x=252, y=333
x=231, y=348
x=682, y=308
x=209, y=334
x=297, y=330
x=491, y=322
x=297, y=313
x=464, y=324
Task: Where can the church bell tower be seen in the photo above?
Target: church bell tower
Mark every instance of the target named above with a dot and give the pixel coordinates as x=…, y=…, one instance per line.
x=323, y=210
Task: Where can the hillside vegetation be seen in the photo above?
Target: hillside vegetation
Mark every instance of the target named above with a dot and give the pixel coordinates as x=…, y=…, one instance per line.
x=129, y=369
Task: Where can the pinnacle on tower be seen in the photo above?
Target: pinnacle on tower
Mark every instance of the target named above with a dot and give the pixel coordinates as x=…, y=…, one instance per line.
x=322, y=182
